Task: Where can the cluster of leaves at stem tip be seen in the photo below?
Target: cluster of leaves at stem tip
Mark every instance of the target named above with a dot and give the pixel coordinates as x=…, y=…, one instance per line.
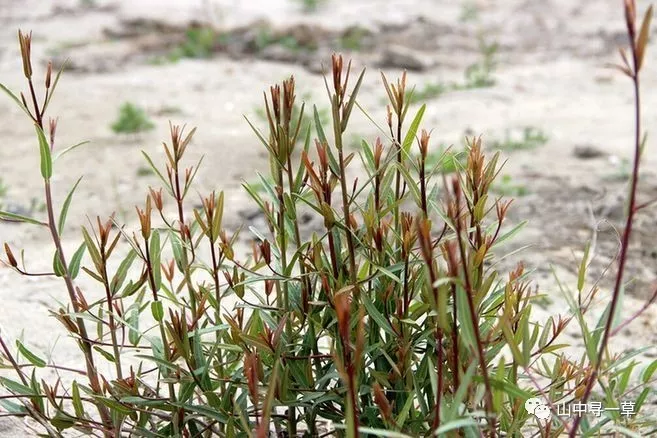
x=394, y=319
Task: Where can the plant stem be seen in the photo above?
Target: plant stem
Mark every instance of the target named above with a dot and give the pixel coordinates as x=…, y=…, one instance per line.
x=110, y=311
x=163, y=335
x=475, y=320
x=345, y=208
x=183, y=237
x=92, y=373
x=217, y=291
x=625, y=243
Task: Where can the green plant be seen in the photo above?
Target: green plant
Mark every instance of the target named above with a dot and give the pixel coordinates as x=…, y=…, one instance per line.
x=266, y=36
x=531, y=138
x=311, y=5
x=145, y=171
x=507, y=187
x=430, y=91
x=352, y=38
x=199, y=42
x=393, y=320
x=4, y=188
x=469, y=12
x=477, y=75
x=480, y=74
x=599, y=363
x=131, y=119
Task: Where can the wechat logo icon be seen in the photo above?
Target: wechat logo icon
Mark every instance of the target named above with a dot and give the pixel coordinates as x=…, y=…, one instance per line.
x=538, y=409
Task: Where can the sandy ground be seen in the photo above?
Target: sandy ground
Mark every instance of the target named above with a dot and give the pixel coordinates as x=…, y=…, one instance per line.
x=550, y=76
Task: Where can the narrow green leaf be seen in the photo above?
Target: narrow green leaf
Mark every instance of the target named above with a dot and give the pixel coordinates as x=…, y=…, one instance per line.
x=377, y=316
x=57, y=265
x=114, y=405
x=649, y=371
x=31, y=357
x=159, y=361
x=155, y=251
x=259, y=135
x=167, y=186
x=511, y=342
x=205, y=411
x=412, y=130
x=74, y=266
x=16, y=100
x=69, y=149
x=133, y=321
x=141, y=401
x=122, y=272
x=510, y=234
x=93, y=275
x=157, y=310
x=105, y=354
x=93, y=251
x=403, y=415
x=467, y=324
x=17, y=388
x=12, y=408
x=77, y=401
x=581, y=275
x=67, y=203
x=13, y=217
x=44, y=152
x=268, y=406
x=352, y=100
x=333, y=164
x=177, y=248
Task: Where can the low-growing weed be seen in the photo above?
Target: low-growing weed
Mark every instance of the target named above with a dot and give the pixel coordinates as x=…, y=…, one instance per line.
x=144, y=171
x=352, y=38
x=311, y=5
x=480, y=74
x=469, y=11
x=4, y=189
x=530, y=138
x=477, y=75
x=199, y=42
x=430, y=91
x=266, y=36
x=507, y=187
x=132, y=119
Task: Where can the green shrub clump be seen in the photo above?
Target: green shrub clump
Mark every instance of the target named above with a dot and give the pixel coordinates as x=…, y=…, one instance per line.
x=392, y=320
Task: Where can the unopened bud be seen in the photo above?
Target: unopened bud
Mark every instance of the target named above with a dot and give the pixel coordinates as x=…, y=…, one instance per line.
x=10, y=256
x=25, y=41
x=48, y=74
x=52, y=128
x=157, y=198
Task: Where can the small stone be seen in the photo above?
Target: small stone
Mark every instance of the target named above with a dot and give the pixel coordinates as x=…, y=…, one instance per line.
x=587, y=151
x=403, y=58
